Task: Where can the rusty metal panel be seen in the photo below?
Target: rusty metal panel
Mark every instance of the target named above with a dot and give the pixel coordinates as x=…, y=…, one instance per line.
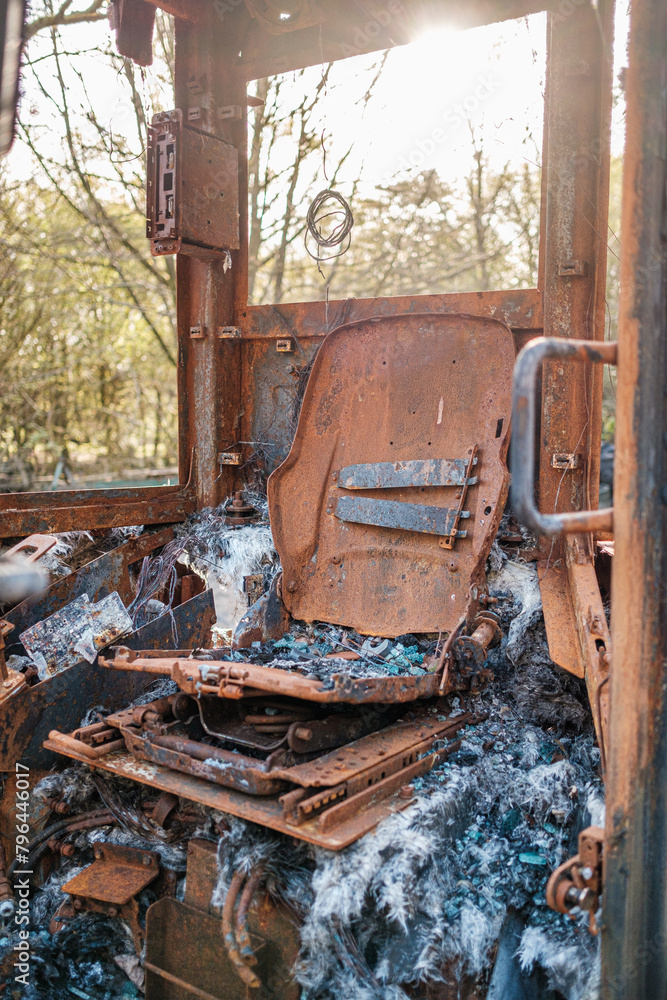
x=398, y=515
x=76, y=510
x=634, y=933
x=96, y=579
x=186, y=958
x=404, y=388
x=561, y=628
x=271, y=378
x=60, y=702
x=574, y=249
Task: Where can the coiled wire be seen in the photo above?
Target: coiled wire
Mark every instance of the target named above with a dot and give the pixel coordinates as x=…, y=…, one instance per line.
x=338, y=234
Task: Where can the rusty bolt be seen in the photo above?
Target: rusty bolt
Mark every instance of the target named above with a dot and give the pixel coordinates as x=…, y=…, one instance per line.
x=587, y=873
x=98, y=852
x=291, y=586
x=67, y=850
x=335, y=559
x=61, y=808
x=77, y=904
x=303, y=733
x=171, y=876
x=113, y=912
x=406, y=792
x=146, y=860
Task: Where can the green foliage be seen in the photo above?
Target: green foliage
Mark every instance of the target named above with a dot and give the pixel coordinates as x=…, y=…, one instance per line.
x=87, y=317
x=82, y=372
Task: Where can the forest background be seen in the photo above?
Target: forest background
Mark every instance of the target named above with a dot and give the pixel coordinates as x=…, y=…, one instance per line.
x=87, y=316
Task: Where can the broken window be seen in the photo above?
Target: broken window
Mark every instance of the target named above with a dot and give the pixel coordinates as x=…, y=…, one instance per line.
x=436, y=146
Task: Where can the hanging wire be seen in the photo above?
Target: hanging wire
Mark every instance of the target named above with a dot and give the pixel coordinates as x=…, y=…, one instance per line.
x=339, y=221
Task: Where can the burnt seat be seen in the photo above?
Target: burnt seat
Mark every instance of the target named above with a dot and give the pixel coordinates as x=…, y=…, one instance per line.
x=385, y=509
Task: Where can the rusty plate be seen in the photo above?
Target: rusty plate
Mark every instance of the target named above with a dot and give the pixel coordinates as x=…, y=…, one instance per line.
x=265, y=811
x=352, y=761
x=28, y=714
x=241, y=680
x=117, y=874
x=186, y=958
x=402, y=392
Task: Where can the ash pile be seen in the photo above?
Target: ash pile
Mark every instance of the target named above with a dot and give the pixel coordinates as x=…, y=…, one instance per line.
x=448, y=891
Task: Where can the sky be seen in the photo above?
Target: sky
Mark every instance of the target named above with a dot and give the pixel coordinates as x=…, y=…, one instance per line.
x=428, y=97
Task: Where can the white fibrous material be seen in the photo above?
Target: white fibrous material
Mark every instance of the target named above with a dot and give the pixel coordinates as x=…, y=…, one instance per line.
x=427, y=893
x=224, y=554
x=573, y=970
x=57, y=558
x=520, y=580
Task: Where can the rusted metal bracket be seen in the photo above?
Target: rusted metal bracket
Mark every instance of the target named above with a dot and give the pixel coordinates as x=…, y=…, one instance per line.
x=576, y=885
x=9, y=679
x=33, y=547
x=228, y=679
x=330, y=799
x=443, y=521
x=112, y=883
x=396, y=475
x=523, y=438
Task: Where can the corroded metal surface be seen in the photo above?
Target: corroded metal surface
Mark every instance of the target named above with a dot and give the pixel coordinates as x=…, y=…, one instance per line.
x=60, y=702
x=267, y=416
x=397, y=514
x=96, y=579
x=221, y=767
x=634, y=933
x=394, y=389
x=74, y=510
x=312, y=811
x=117, y=874
x=205, y=971
x=241, y=680
x=387, y=475
x=573, y=251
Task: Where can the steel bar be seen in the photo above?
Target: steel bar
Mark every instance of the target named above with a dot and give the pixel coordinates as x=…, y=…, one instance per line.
x=634, y=934
x=523, y=439
x=575, y=198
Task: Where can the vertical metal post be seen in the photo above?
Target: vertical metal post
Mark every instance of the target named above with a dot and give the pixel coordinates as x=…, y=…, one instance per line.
x=634, y=937
x=207, y=74
x=575, y=197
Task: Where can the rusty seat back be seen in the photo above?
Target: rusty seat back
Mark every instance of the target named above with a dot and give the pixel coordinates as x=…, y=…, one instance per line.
x=385, y=509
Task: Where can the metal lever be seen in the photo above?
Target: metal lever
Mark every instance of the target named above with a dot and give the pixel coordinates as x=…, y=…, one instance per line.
x=523, y=435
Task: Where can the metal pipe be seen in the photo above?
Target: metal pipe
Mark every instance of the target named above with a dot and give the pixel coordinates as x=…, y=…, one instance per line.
x=524, y=413
x=242, y=934
x=246, y=974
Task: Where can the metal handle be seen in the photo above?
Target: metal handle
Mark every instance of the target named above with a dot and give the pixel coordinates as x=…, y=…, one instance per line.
x=523, y=435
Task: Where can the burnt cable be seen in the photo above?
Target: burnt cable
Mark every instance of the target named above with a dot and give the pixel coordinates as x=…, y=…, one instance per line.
x=340, y=221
